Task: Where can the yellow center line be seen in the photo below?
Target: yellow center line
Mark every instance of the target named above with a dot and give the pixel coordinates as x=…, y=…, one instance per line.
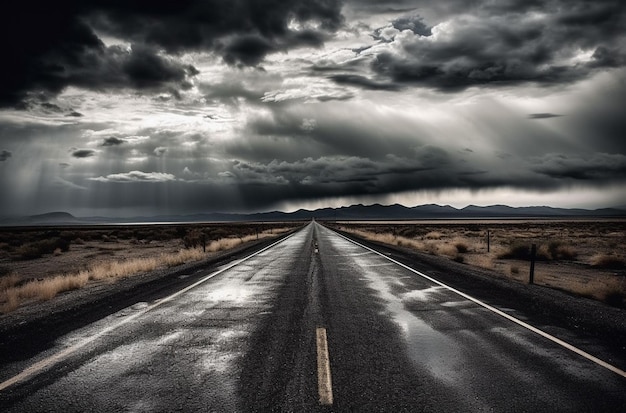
x=324, y=382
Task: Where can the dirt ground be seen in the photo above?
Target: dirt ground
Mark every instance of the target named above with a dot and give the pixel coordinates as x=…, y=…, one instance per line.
x=81, y=256
x=583, y=257
x=38, y=253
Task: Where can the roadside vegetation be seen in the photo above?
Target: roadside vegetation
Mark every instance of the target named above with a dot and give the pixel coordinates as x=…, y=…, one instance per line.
x=581, y=257
x=39, y=264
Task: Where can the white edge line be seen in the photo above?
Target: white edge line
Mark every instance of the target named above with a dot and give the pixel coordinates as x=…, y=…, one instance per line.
x=500, y=313
x=49, y=361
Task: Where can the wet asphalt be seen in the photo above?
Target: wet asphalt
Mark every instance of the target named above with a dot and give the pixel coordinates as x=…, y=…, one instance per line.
x=243, y=339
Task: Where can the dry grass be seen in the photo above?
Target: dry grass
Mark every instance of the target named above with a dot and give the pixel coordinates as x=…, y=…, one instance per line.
x=388, y=238
x=228, y=243
x=10, y=302
x=579, y=256
x=9, y=281
x=610, y=290
x=433, y=235
x=13, y=294
x=45, y=289
x=40, y=290
x=482, y=261
x=611, y=261
x=446, y=249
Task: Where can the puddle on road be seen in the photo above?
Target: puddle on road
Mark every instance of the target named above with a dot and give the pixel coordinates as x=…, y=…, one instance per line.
x=421, y=295
x=426, y=346
x=230, y=294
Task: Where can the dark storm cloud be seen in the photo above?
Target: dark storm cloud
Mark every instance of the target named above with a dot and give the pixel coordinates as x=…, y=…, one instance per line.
x=4, y=155
x=112, y=141
x=135, y=177
x=201, y=24
x=48, y=46
x=543, y=115
x=291, y=135
x=505, y=43
x=429, y=168
x=599, y=118
x=92, y=66
x=83, y=153
x=413, y=23
x=144, y=68
x=363, y=82
x=599, y=167
x=262, y=184
x=249, y=50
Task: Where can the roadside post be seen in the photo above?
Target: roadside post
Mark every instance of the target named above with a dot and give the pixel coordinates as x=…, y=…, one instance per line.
x=533, y=255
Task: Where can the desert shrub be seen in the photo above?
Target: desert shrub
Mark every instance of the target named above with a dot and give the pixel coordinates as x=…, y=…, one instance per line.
x=516, y=251
x=219, y=233
x=159, y=234
x=461, y=247
x=433, y=235
x=608, y=261
x=62, y=244
x=180, y=232
x=68, y=235
x=445, y=249
x=106, y=238
x=408, y=232
x=50, y=287
x=10, y=300
x=52, y=234
x=28, y=252
x=472, y=234
x=193, y=239
x=514, y=269
x=36, y=249
x=521, y=251
x=8, y=280
x=459, y=258
x=558, y=251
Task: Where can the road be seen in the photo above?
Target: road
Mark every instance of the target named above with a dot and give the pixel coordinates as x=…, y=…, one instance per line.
x=245, y=337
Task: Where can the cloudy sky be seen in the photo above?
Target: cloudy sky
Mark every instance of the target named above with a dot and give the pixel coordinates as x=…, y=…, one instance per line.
x=131, y=107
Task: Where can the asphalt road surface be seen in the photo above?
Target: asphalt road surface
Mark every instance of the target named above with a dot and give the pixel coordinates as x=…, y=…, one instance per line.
x=314, y=322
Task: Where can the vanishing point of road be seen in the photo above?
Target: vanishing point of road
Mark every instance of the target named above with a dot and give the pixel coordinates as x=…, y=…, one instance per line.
x=313, y=322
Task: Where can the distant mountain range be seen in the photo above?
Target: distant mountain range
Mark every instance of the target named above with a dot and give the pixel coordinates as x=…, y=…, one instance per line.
x=354, y=212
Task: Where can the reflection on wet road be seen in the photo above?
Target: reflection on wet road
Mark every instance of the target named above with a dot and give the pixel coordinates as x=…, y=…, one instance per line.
x=482, y=360
x=243, y=338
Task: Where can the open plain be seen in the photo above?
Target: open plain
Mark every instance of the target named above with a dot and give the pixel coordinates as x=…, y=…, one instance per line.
x=583, y=257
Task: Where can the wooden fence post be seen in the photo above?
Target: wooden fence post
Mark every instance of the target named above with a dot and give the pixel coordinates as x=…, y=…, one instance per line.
x=533, y=255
